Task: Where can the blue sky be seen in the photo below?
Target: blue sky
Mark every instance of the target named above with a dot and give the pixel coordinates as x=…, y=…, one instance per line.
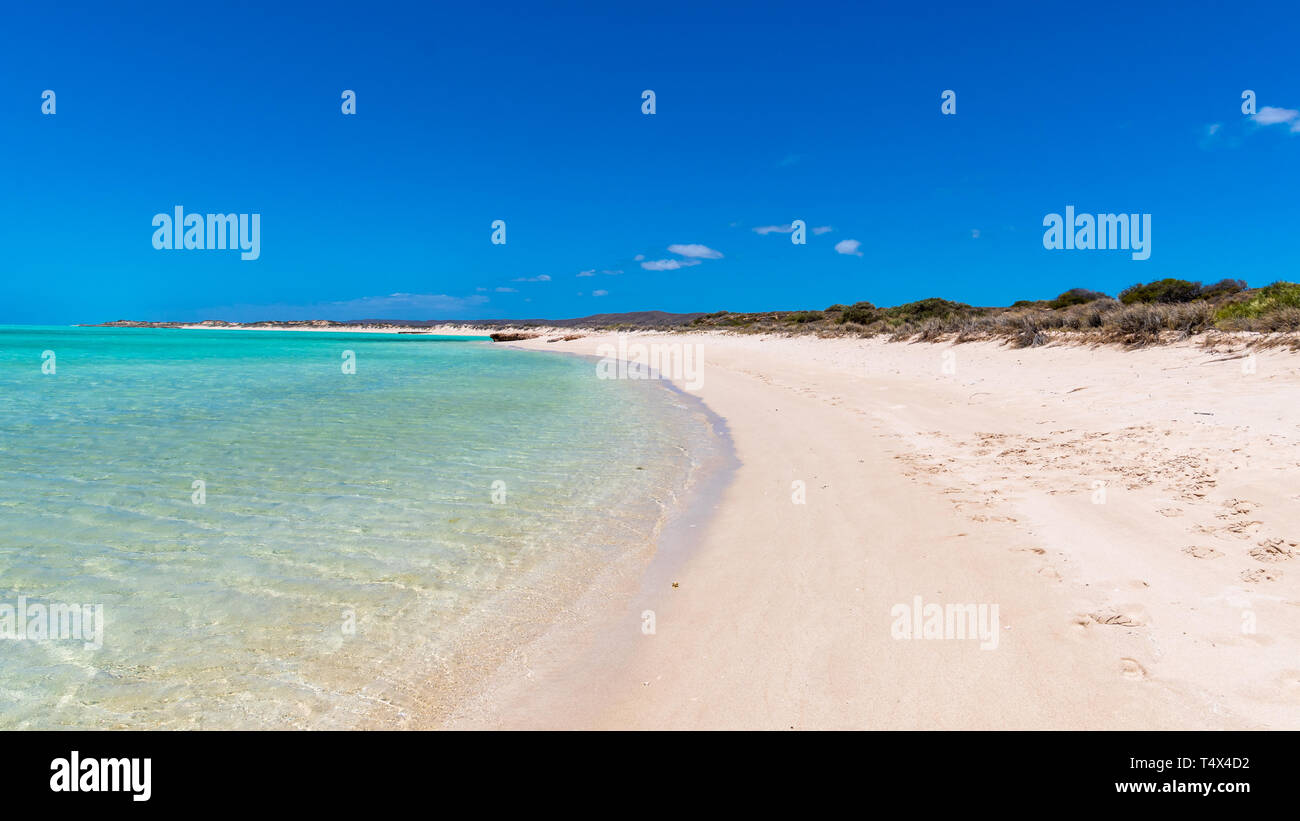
x=531, y=114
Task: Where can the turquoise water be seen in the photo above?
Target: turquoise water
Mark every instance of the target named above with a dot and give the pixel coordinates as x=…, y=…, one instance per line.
x=348, y=564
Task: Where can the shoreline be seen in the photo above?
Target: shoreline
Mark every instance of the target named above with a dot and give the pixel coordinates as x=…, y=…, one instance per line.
x=805, y=640
x=590, y=601
x=591, y=634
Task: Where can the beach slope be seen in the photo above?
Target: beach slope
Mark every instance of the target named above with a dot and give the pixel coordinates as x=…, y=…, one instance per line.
x=1128, y=513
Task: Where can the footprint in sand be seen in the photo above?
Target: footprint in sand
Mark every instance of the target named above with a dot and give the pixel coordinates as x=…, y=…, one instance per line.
x=1201, y=552
x=1116, y=618
x=1132, y=669
x=1244, y=530
x=1171, y=511
x=1273, y=550
x=1239, y=530
x=1261, y=574
x=1240, y=507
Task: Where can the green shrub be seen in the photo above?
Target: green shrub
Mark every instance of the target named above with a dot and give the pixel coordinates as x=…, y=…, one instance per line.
x=805, y=316
x=1265, y=301
x=1163, y=291
x=1224, y=287
x=863, y=313
x=1076, y=296
x=921, y=310
x=705, y=320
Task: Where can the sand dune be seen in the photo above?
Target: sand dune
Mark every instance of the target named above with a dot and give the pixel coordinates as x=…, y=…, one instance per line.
x=1133, y=515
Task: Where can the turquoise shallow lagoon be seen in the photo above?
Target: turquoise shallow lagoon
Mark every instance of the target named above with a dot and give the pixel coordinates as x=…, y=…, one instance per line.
x=349, y=564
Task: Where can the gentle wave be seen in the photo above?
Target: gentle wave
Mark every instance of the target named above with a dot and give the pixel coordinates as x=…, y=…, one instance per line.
x=329, y=496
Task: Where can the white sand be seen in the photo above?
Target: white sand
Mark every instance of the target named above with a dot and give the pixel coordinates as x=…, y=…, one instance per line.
x=1173, y=603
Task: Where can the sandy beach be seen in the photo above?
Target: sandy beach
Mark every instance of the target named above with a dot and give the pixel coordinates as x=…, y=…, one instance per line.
x=1129, y=513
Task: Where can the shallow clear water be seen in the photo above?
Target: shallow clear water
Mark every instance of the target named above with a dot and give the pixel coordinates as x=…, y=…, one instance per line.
x=348, y=564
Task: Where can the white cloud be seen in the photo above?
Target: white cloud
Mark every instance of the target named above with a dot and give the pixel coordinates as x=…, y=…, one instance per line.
x=823, y=229
x=590, y=273
x=974, y=233
x=638, y=257
x=1215, y=135
x=538, y=278
x=613, y=273
x=1270, y=115
x=848, y=246
x=599, y=293
x=593, y=272
x=668, y=264
x=1230, y=135
x=695, y=251
x=505, y=290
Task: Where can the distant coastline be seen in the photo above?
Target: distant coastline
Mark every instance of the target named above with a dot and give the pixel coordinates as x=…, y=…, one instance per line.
x=1159, y=312
x=642, y=319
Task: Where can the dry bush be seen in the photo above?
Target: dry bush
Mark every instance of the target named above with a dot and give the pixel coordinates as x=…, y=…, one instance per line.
x=902, y=333
x=1280, y=320
x=1028, y=332
x=932, y=330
